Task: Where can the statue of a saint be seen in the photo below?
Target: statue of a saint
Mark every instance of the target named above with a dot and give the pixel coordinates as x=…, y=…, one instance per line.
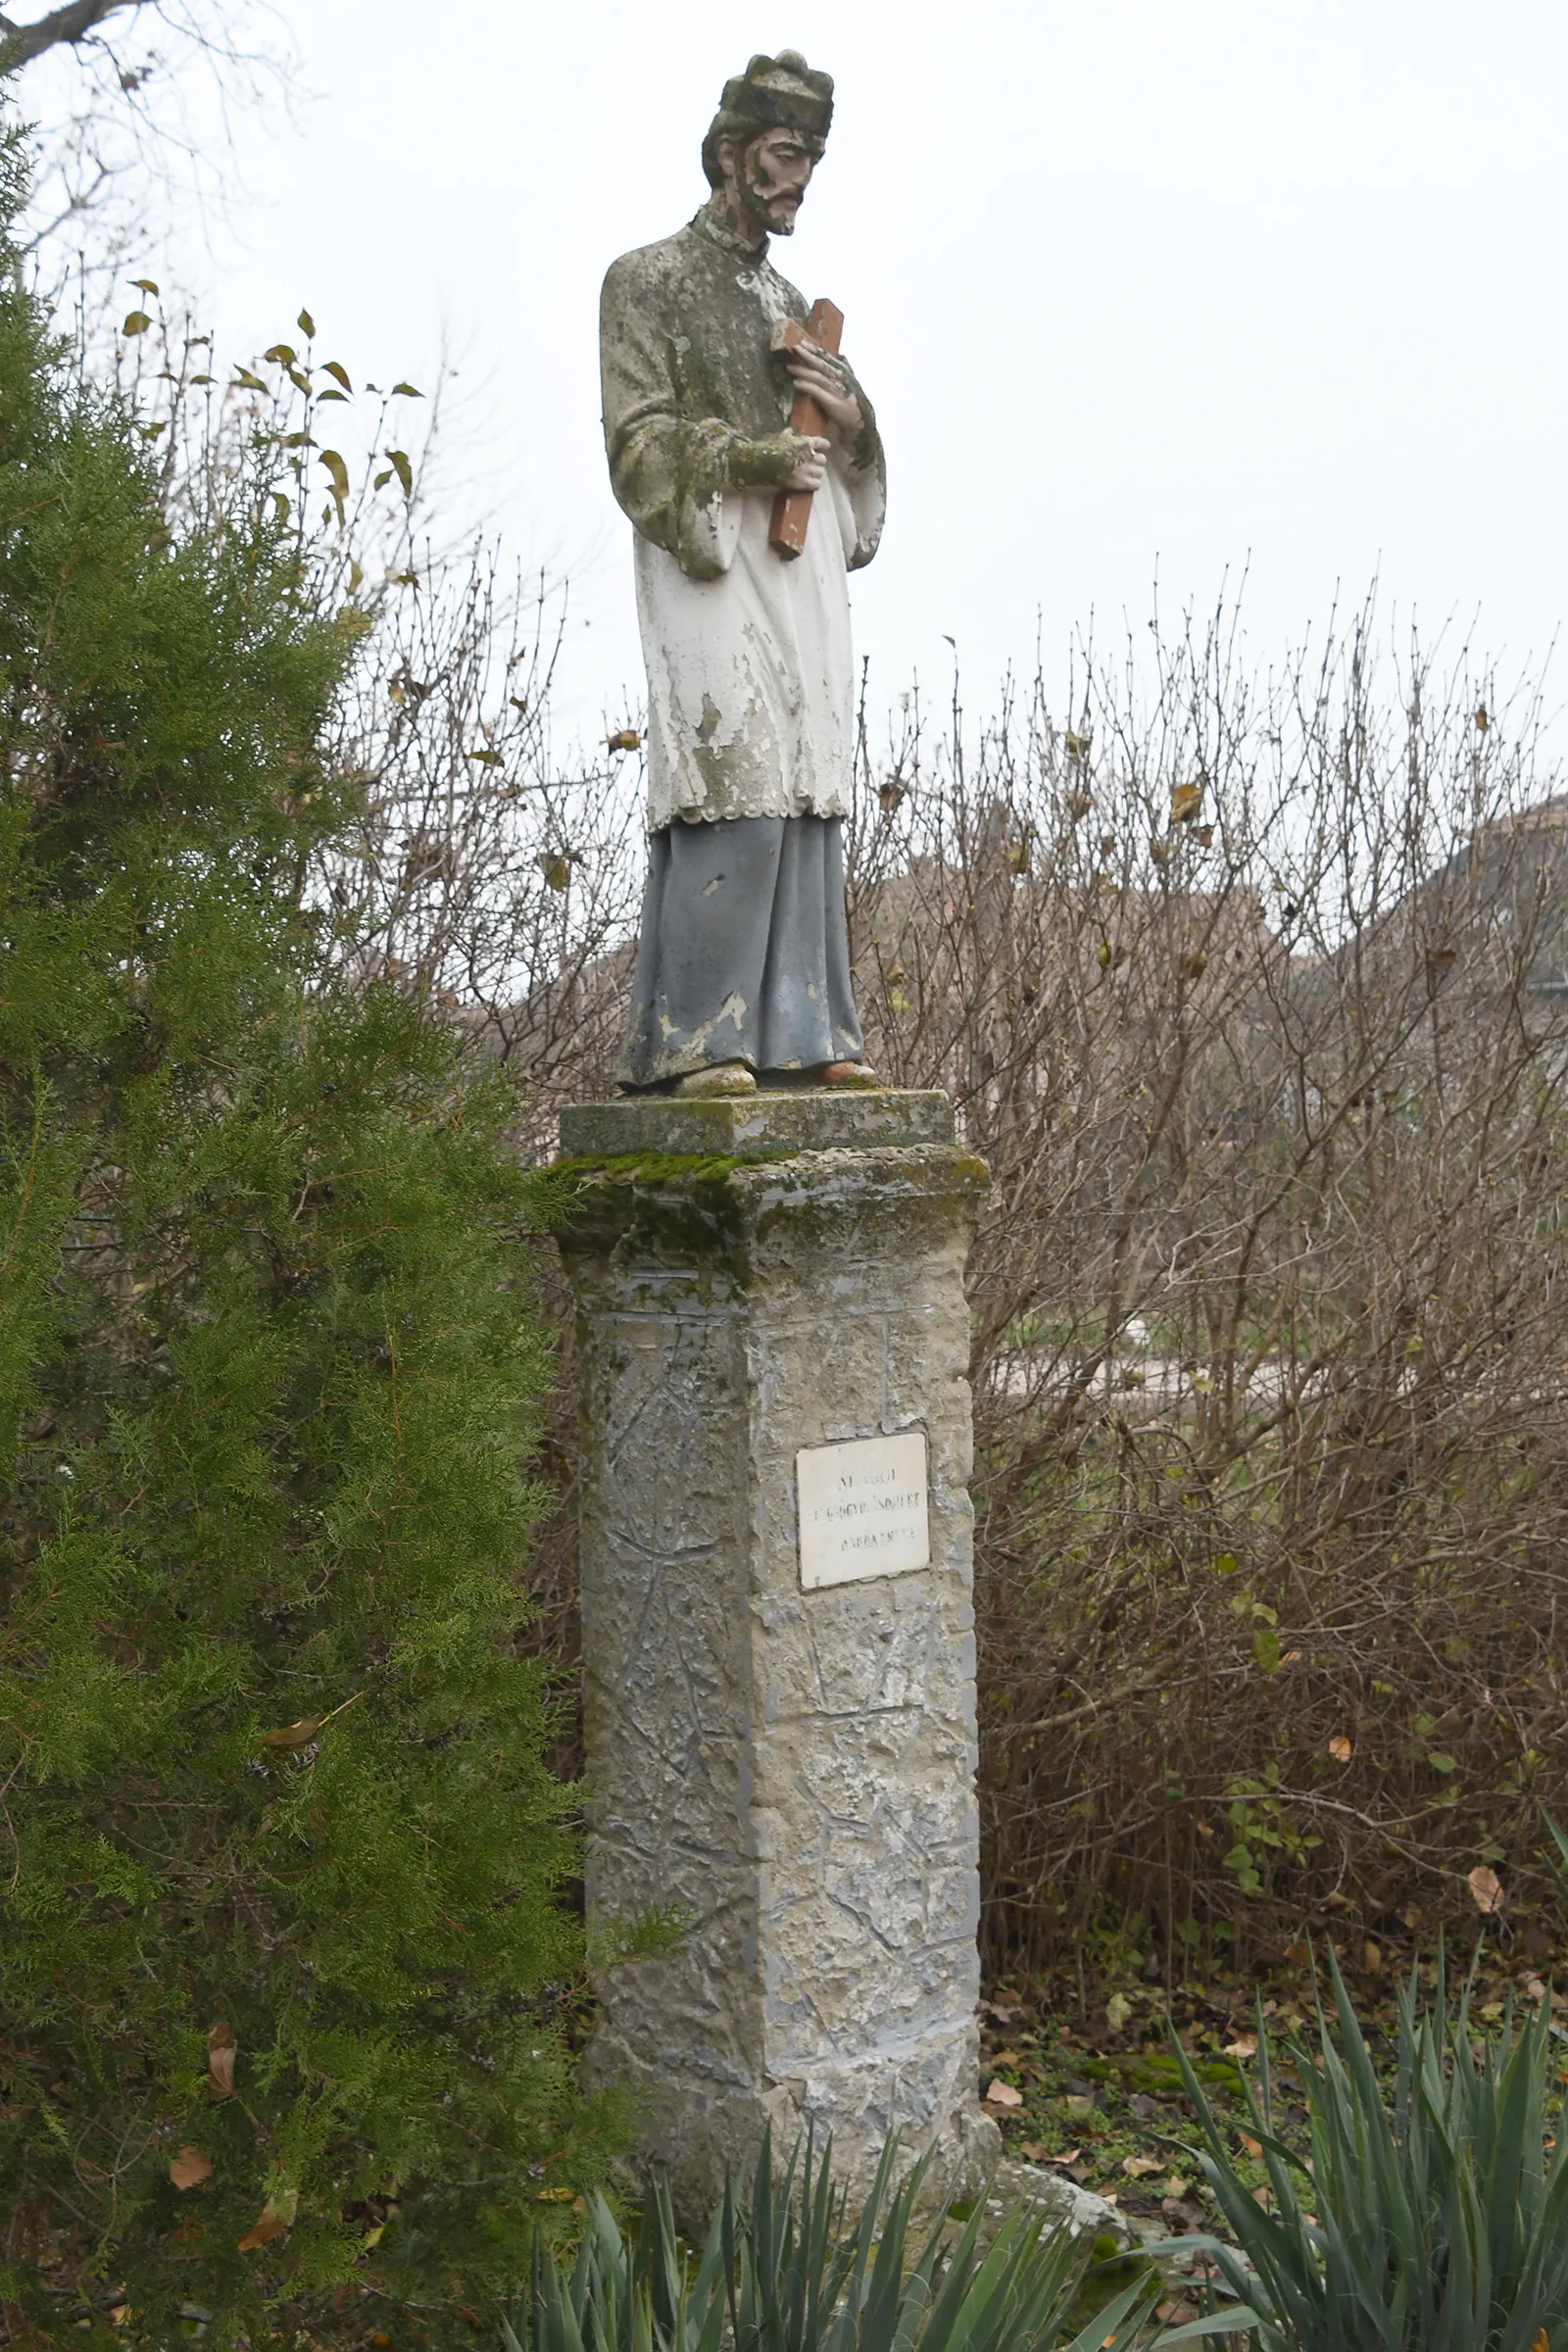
x=743, y=965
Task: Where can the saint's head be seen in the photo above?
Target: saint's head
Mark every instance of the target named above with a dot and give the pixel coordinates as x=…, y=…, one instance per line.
x=765, y=141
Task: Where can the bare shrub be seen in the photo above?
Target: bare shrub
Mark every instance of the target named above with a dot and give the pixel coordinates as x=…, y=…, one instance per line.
x=1253, y=996
x=1255, y=1002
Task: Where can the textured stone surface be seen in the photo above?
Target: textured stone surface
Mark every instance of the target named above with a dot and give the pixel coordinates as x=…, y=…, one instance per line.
x=792, y=1771
x=805, y=1119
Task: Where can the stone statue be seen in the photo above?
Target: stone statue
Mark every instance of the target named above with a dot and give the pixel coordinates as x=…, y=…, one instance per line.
x=743, y=966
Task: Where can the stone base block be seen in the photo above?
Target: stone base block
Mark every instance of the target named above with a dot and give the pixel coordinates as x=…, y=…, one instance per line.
x=786, y=1765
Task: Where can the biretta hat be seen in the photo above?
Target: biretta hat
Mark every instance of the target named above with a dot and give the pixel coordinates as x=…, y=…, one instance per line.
x=777, y=93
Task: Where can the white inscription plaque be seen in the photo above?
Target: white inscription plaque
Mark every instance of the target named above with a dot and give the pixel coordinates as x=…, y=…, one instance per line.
x=863, y=1509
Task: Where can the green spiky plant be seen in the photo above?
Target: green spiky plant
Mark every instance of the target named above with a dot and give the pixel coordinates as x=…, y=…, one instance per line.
x=1433, y=2219
x=784, y=2269
x=279, y=1850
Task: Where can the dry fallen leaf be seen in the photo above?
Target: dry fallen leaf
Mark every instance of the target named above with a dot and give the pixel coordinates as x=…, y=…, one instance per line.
x=1244, y=2046
x=1372, y=1954
x=1003, y=2094
x=276, y=2216
x=1253, y=2147
x=294, y=1734
x=221, y=2052
x=1137, y=2165
x=1340, y=1748
x=190, y=2167
x=1487, y=1887
x=1034, y=2149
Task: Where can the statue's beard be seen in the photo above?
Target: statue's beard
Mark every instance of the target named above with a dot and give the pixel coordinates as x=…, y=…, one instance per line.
x=775, y=214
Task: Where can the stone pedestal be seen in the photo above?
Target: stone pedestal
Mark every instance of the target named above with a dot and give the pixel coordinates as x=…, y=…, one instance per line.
x=786, y=1763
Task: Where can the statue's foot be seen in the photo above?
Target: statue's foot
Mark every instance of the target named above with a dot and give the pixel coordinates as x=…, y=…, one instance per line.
x=720, y=1078
x=846, y=1074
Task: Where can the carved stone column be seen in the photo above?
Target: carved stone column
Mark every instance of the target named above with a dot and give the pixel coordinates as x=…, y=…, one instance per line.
x=781, y=1710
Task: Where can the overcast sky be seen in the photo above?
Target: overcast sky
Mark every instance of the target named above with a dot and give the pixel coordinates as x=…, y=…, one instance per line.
x=1263, y=285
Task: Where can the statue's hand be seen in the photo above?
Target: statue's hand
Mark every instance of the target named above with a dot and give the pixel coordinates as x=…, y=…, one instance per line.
x=811, y=471
x=782, y=461
x=832, y=387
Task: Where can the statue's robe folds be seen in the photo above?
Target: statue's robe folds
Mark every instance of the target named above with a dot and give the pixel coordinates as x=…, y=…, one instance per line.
x=751, y=685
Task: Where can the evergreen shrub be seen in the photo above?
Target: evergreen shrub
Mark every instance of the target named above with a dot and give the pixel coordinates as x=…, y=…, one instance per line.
x=280, y=1943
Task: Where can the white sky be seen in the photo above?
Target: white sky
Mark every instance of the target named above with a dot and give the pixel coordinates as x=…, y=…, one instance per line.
x=1230, y=284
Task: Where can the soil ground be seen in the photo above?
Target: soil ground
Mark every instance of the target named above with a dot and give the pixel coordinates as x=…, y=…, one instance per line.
x=1081, y=2073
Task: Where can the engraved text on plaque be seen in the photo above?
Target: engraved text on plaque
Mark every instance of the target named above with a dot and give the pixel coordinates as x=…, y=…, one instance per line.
x=863, y=1510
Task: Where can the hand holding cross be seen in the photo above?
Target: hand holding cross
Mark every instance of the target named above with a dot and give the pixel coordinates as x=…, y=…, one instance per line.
x=820, y=399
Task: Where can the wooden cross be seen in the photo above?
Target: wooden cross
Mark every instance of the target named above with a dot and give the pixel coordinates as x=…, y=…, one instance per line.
x=791, y=508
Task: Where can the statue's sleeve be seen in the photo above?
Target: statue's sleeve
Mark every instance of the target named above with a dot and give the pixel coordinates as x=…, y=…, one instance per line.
x=668, y=473
x=864, y=479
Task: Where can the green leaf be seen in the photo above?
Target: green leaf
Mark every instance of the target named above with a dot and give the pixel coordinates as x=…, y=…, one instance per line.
x=145, y=285
x=336, y=369
x=136, y=324
x=1236, y=2317
x=283, y=353
x=332, y=460
x=399, y=462
x=307, y=324
x=251, y=383
x=409, y=391
x=1267, y=1649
